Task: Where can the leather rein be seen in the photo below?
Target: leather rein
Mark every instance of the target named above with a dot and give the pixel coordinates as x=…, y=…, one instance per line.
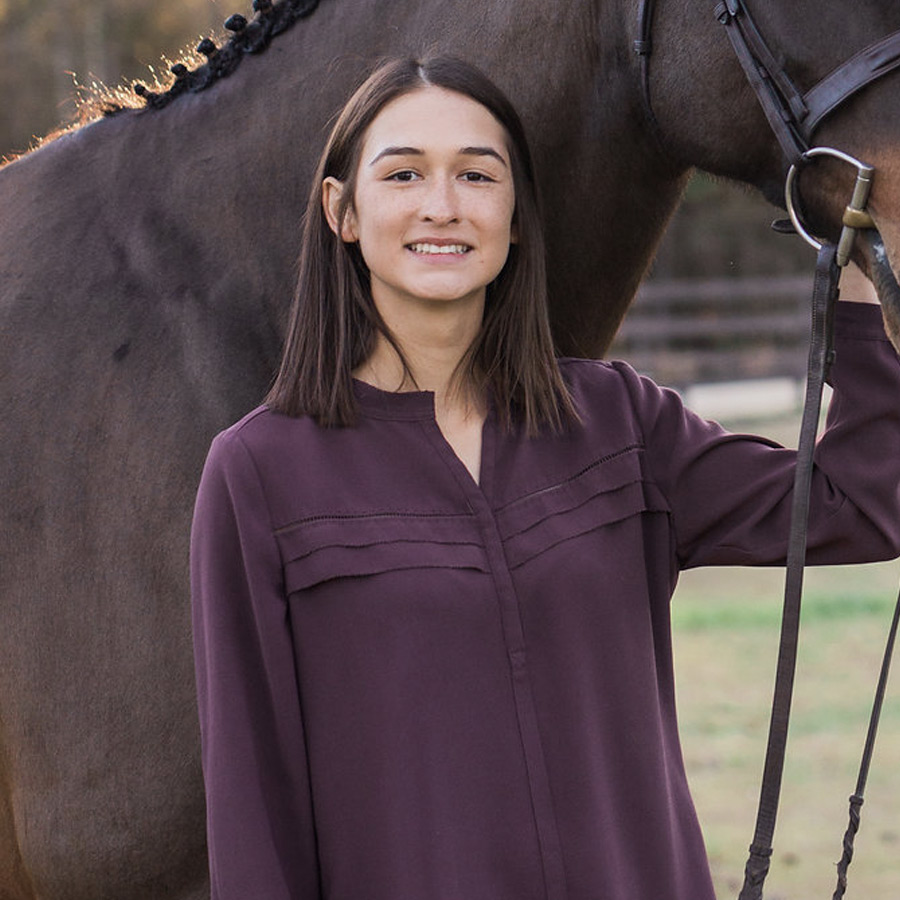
x=793, y=117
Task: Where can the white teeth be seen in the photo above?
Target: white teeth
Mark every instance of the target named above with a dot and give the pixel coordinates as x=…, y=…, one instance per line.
x=439, y=248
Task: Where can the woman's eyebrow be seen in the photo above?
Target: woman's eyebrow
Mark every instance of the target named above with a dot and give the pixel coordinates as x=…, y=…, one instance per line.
x=415, y=151
x=482, y=151
x=397, y=151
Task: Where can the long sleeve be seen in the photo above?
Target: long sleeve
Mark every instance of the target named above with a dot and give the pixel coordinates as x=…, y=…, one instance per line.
x=438, y=668
x=730, y=494
x=259, y=821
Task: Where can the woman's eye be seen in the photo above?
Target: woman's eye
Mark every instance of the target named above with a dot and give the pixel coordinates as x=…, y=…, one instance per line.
x=476, y=177
x=404, y=175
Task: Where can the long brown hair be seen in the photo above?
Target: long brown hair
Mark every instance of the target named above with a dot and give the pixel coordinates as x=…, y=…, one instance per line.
x=334, y=322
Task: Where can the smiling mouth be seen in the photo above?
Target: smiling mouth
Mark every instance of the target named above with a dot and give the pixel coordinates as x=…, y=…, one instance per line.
x=427, y=249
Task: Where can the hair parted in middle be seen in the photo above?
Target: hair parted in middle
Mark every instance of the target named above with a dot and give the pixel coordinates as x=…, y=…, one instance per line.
x=334, y=322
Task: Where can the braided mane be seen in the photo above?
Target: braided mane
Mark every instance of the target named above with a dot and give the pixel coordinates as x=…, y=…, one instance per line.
x=253, y=36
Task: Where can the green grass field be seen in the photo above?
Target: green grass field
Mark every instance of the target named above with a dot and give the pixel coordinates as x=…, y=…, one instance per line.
x=726, y=642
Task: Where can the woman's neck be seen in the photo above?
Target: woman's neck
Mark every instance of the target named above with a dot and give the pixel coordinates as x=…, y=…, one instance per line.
x=433, y=347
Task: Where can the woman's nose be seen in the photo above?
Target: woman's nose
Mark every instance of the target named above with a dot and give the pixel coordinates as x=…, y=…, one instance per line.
x=440, y=203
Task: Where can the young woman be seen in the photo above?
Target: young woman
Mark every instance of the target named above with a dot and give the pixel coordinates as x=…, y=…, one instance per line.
x=431, y=576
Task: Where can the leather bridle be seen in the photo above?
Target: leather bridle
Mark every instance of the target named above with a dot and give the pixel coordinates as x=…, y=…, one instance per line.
x=793, y=117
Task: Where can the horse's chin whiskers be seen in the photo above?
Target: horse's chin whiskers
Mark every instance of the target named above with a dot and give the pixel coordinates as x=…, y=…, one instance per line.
x=883, y=274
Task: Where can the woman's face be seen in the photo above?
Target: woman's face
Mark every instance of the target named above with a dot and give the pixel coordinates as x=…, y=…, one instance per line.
x=434, y=201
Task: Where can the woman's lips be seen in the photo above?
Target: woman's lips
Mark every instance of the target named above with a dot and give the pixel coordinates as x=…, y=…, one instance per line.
x=434, y=248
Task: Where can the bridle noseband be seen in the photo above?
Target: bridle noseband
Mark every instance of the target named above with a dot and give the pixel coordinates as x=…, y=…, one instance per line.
x=793, y=117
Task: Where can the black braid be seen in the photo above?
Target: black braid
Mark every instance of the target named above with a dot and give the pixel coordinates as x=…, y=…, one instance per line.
x=271, y=19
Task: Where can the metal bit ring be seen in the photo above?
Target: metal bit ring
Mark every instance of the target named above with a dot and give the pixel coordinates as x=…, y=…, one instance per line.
x=855, y=215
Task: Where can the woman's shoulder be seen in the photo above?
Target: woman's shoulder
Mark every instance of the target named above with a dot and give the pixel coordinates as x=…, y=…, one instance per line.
x=256, y=424
x=593, y=371
x=610, y=377
x=264, y=433
x=259, y=418
x=609, y=390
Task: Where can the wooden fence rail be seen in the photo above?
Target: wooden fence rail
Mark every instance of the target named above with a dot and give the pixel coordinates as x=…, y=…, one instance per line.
x=685, y=331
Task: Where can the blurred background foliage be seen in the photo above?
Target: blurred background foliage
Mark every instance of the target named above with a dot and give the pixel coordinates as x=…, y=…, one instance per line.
x=724, y=229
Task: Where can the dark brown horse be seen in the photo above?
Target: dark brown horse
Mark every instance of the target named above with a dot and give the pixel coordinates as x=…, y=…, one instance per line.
x=145, y=267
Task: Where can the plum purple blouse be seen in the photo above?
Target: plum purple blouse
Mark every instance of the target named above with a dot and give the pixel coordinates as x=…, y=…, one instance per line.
x=416, y=687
